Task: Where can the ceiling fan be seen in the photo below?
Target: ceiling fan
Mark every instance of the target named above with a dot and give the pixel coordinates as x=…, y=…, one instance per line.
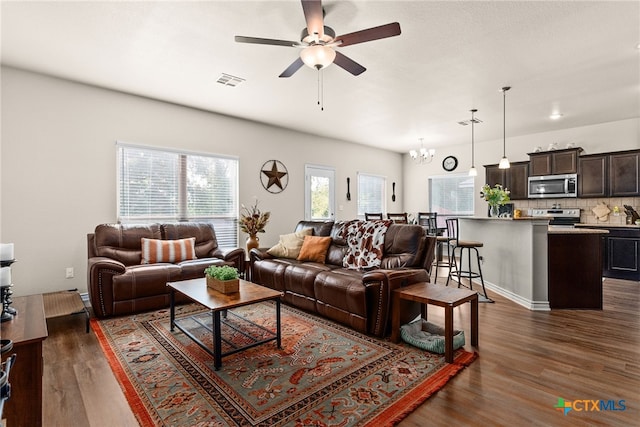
x=318, y=42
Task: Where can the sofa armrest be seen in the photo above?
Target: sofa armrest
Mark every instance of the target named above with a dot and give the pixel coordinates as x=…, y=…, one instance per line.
x=100, y=272
x=234, y=255
x=380, y=285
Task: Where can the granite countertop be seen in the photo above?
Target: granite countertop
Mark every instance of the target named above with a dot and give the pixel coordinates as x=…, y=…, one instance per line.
x=605, y=226
x=577, y=231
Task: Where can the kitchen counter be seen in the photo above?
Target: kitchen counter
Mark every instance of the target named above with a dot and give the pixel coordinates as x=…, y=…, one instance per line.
x=577, y=231
x=625, y=226
x=536, y=266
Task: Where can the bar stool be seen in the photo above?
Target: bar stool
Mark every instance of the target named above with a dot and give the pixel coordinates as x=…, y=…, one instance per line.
x=469, y=245
x=429, y=220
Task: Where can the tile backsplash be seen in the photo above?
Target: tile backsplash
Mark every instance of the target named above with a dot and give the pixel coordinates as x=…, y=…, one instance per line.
x=585, y=205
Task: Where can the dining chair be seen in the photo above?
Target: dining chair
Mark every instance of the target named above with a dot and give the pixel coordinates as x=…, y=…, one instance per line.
x=429, y=220
x=372, y=216
x=398, y=218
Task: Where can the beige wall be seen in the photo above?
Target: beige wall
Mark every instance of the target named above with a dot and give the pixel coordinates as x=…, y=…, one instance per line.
x=598, y=138
x=58, y=167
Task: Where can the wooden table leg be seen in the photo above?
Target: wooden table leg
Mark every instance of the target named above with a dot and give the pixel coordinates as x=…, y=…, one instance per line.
x=395, y=318
x=474, y=321
x=448, y=334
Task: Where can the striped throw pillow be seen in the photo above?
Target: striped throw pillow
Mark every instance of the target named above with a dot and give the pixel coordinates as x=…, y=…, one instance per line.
x=154, y=250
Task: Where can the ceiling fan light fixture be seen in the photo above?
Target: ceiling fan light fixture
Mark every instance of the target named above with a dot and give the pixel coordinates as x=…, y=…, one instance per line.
x=317, y=56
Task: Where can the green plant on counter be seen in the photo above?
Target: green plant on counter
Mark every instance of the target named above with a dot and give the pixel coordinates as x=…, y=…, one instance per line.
x=223, y=272
x=495, y=196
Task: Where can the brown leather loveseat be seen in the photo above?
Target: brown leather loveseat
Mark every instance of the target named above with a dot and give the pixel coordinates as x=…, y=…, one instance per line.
x=360, y=299
x=122, y=281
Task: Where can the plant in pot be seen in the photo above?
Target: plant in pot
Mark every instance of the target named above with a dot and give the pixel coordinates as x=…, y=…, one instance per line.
x=223, y=278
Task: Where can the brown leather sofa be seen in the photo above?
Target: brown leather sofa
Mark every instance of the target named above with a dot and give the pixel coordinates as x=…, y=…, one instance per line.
x=358, y=299
x=118, y=282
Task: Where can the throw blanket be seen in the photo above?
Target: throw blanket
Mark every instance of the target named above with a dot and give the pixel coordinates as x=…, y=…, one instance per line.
x=365, y=241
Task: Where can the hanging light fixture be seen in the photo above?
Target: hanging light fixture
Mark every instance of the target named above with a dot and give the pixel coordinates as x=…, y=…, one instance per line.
x=504, y=162
x=473, y=171
x=424, y=155
x=318, y=56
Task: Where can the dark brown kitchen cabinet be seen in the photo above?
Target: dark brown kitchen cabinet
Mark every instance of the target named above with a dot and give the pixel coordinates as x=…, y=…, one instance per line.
x=556, y=162
x=624, y=174
x=515, y=178
x=593, y=175
x=609, y=175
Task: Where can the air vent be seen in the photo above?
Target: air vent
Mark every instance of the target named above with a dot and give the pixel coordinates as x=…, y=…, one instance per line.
x=468, y=122
x=229, y=80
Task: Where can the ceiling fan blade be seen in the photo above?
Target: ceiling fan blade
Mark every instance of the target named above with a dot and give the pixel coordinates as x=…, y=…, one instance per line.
x=375, y=33
x=314, y=17
x=348, y=64
x=257, y=40
x=292, y=68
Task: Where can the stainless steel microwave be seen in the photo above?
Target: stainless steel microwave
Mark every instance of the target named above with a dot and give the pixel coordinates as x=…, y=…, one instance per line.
x=553, y=186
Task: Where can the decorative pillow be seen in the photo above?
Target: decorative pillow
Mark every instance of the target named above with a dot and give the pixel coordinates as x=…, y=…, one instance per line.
x=314, y=248
x=290, y=244
x=154, y=250
x=365, y=244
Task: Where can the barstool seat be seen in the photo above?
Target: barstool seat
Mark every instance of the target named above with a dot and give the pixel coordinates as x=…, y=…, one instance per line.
x=457, y=270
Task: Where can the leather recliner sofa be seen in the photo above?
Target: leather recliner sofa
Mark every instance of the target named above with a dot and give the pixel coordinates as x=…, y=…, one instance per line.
x=356, y=298
x=120, y=284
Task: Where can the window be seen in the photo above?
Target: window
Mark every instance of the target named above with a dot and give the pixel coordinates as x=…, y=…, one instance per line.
x=371, y=194
x=451, y=195
x=162, y=185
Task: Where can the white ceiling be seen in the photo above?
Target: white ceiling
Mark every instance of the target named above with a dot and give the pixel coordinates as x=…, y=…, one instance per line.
x=577, y=57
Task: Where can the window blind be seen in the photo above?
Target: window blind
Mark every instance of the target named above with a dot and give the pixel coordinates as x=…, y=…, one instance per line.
x=371, y=193
x=157, y=185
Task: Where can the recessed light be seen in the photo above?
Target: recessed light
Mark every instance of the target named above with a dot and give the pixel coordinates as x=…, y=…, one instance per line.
x=555, y=116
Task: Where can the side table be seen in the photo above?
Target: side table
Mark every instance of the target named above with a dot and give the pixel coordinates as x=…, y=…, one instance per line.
x=27, y=330
x=443, y=296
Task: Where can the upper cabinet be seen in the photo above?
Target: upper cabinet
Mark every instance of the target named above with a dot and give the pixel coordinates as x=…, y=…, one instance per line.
x=514, y=178
x=609, y=175
x=556, y=162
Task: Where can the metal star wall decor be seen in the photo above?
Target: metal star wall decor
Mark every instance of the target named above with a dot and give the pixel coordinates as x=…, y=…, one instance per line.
x=274, y=174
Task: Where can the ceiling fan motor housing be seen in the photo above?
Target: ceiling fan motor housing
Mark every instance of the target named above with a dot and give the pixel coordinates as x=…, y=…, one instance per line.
x=311, y=39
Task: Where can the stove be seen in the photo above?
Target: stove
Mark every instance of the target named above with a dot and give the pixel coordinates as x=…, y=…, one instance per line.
x=558, y=217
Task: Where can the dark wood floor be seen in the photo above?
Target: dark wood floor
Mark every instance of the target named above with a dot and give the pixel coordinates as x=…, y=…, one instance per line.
x=527, y=360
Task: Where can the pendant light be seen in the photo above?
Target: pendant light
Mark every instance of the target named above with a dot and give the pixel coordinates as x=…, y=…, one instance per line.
x=472, y=171
x=504, y=162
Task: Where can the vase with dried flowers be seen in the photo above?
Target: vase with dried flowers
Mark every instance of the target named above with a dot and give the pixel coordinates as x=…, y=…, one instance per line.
x=252, y=221
x=496, y=197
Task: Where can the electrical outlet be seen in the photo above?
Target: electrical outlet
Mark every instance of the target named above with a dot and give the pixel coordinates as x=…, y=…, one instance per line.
x=69, y=273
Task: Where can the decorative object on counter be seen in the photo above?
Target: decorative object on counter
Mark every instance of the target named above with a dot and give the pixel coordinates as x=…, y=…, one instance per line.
x=6, y=284
x=517, y=213
x=632, y=215
x=224, y=278
x=616, y=211
x=496, y=197
x=601, y=212
x=504, y=162
x=424, y=156
x=252, y=221
x=6, y=251
x=348, y=190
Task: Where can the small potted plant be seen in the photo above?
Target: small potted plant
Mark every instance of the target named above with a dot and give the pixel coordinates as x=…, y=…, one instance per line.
x=222, y=278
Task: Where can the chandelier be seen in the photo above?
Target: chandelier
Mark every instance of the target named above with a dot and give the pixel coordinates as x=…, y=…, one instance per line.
x=424, y=155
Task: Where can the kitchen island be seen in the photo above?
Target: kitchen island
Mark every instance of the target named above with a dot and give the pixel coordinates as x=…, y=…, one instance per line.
x=516, y=257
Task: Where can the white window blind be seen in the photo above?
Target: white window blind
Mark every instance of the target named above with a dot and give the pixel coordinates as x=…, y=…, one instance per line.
x=451, y=195
x=371, y=194
x=157, y=185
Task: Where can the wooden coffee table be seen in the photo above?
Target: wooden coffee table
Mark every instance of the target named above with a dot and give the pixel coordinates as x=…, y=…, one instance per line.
x=249, y=293
x=443, y=296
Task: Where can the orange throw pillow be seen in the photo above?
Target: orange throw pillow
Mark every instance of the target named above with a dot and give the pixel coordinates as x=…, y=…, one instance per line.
x=155, y=250
x=314, y=248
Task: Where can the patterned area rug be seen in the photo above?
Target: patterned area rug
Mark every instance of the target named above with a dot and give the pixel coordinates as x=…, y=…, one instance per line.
x=324, y=375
